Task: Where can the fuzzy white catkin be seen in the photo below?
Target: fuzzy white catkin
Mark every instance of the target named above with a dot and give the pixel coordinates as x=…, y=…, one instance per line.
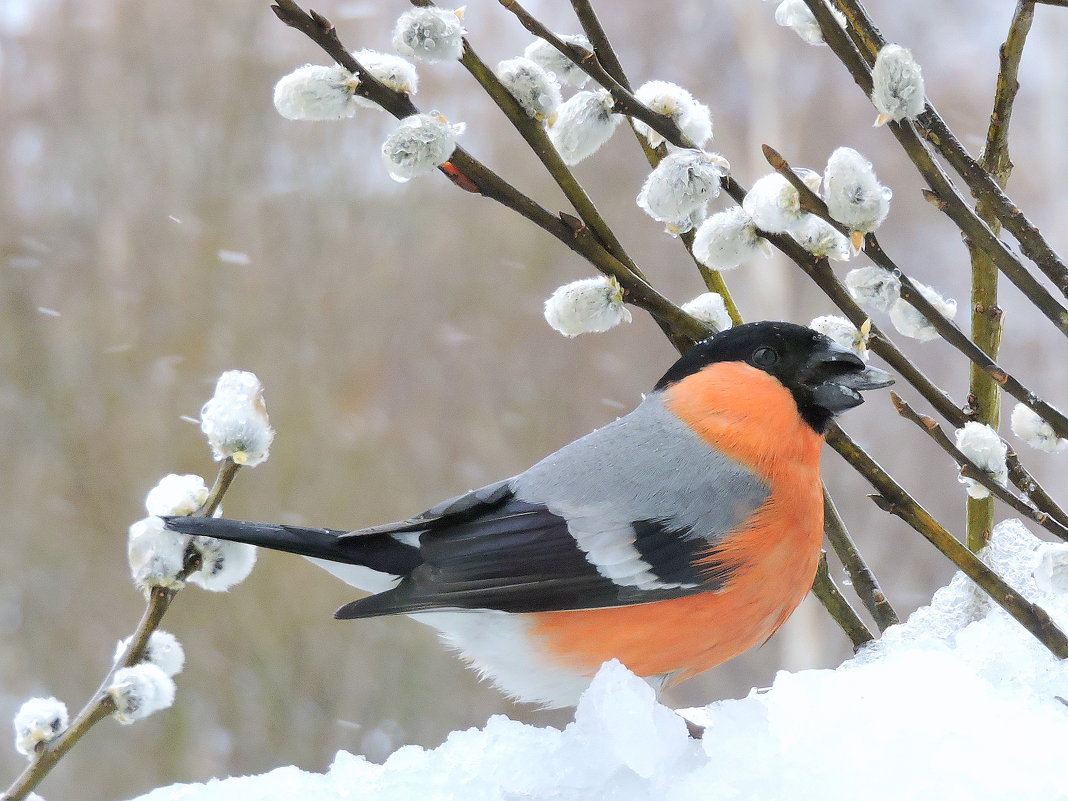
x=821, y=239
x=693, y=118
x=584, y=122
x=798, y=17
x=314, y=92
x=139, y=691
x=418, y=145
x=548, y=57
x=156, y=555
x=588, y=306
x=908, y=321
x=1029, y=426
x=176, y=495
x=39, y=720
x=710, y=309
x=163, y=650
x=897, y=85
x=774, y=205
x=430, y=34
x=873, y=287
x=533, y=87
x=982, y=445
x=854, y=196
x=841, y=331
x=224, y=563
x=681, y=184
x=392, y=71
x=235, y=420
x=727, y=239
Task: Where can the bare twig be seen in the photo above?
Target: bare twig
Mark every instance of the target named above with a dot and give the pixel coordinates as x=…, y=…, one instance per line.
x=984, y=397
x=100, y=705
x=971, y=470
x=606, y=54
x=834, y=602
x=863, y=579
x=894, y=499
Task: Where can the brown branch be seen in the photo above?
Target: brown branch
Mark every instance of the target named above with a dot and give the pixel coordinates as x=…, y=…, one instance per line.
x=823, y=276
x=824, y=588
x=100, y=704
x=894, y=499
x=984, y=394
x=819, y=270
x=681, y=328
x=934, y=129
x=595, y=32
x=813, y=204
x=533, y=133
x=626, y=103
x=971, y=470
x=609, y=74
x=863, y=579
x=951, y=202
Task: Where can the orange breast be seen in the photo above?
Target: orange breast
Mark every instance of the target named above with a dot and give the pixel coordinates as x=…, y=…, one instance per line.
x=749, y=415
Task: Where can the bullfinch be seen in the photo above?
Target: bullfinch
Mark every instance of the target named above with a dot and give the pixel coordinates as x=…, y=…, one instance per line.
x=672, y=539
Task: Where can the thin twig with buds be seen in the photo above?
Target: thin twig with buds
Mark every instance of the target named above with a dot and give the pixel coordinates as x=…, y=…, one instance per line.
x=971, y=470
x=950, y=200
x=933, y=128
x=893, y=498
x=101, y=704
x=813, y=204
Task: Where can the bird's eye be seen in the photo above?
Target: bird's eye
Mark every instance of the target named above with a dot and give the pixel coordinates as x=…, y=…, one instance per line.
x=764, y=357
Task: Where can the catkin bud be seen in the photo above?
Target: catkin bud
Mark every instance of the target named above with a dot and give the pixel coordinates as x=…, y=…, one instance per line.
x=589, y=306
x=430, y=33
x=235, y=419
x=897, y=85
x=39, y=720
x=419, y=145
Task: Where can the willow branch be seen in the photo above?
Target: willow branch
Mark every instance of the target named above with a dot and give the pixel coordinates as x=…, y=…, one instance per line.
x=863, y=579
x=533, y=132
x=984, y=395
x=586, y=60
x=950, y=201
x=100, y=704
x=472, y=175
x=893, y=498
x=866, y=36
x=813, y=204
x=602, y=47
x=819, y=270
x=612, y=78
x=838, y=606
x=971, y=470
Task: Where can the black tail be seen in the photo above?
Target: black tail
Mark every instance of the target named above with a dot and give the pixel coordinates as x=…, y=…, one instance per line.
x=377, y=551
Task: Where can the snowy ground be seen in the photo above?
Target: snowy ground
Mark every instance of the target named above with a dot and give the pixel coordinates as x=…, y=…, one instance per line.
x=958, y=703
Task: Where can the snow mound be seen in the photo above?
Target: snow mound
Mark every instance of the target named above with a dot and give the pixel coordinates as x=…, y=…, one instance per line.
x=959, y=702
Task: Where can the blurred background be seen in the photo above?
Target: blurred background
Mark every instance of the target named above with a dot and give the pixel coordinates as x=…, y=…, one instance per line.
x=160, y=223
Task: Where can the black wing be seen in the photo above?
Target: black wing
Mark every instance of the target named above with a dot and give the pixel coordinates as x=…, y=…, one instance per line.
x=489, y=550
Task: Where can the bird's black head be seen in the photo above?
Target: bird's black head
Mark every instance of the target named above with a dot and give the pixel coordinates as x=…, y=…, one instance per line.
x=823, y=377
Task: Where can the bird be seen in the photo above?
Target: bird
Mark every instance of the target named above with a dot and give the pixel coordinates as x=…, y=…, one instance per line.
x=673, y=538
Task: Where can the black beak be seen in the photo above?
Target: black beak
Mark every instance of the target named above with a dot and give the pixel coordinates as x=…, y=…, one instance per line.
x=836, y=377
